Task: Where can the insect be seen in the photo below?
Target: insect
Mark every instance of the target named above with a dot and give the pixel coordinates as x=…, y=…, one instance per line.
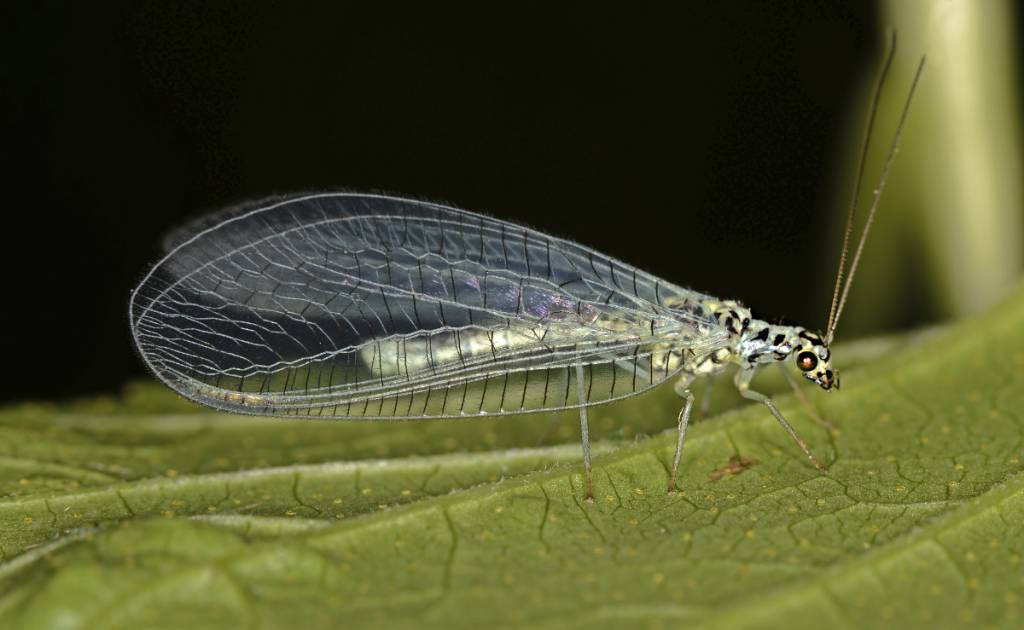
x=373, y=306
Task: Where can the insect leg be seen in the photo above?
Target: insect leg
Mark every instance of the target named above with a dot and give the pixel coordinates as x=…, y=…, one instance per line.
x=585, y=435
x=808, y=407
x=743, y=385
x=682, y=387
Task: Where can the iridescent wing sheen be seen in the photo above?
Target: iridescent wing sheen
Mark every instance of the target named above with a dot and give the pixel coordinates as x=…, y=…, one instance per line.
x=372, y=306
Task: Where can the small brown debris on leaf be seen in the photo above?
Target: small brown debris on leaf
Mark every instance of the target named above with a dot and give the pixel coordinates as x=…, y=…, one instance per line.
x=736, y=465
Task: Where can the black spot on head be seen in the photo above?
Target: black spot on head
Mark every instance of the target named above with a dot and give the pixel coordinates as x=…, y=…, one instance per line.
x=828, y=374
x=814, y=339
x=746, y=323
x=763, y=335
x=779, y=338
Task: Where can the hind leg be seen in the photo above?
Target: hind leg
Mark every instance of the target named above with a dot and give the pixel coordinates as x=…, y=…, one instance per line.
x=588, y=494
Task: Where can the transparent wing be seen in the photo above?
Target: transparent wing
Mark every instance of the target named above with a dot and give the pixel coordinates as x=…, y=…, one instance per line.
x=373, y=306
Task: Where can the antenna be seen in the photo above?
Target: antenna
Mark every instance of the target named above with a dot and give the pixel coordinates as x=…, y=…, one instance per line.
x=872, y=113
x=839, y=298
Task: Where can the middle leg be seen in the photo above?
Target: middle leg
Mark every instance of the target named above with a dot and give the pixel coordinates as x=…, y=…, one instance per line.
x=682, y=388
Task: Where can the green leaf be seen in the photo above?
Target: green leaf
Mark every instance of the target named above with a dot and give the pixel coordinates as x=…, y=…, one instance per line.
x=145, y=512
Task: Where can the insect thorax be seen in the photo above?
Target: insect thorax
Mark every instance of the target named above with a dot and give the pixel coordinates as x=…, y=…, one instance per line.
x=751, y=341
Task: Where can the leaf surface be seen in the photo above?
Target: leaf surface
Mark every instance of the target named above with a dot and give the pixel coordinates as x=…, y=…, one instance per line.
x=146, y=512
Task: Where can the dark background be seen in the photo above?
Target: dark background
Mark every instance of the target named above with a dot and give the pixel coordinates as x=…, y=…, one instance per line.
x=699, y=142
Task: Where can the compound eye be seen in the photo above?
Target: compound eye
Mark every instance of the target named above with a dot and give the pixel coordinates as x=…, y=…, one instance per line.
x=806, y=361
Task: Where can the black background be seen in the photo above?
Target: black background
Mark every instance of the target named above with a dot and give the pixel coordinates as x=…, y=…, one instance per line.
x=698, y=142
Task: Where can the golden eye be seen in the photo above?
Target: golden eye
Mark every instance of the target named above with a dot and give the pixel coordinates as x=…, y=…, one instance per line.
x=806, y=361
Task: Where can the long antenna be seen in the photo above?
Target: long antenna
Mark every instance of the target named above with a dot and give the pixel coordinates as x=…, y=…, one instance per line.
x=855, y=195
x=877, y=196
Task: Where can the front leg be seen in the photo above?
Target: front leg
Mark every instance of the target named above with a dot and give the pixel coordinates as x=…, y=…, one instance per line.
x=799, y=393
x=742, y=380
